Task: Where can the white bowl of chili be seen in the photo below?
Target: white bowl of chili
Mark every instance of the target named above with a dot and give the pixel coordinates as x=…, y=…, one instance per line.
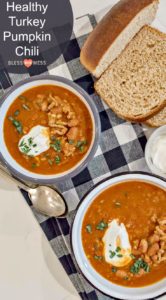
x=49, y=128
x=137, y=201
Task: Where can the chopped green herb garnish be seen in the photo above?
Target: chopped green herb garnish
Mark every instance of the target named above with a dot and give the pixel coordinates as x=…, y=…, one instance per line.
x=71, y=142
x=81, y=148
x=126, y=278
x=50, y=162
x=114, y=269
x=115, y=253
x=17, y=124
x=80, y=145
x=118, y=249
x=97, y=257
x=33, y=165
x=132, y=256
x=147, y=268
x=30, y=141
x=56, y=145
x=57, y=159
x=26, y=107
x=112, y=254
x=139, y=264
x=22, y=143
x=89, y=228
x=136, y=266
x=16, y=113
x=26, y=146
x=119, y=255
x=101, y=226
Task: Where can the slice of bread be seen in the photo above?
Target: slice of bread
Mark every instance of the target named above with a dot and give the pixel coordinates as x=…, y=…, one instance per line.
x=134, y=86
x=158, y=120
x=114, y=32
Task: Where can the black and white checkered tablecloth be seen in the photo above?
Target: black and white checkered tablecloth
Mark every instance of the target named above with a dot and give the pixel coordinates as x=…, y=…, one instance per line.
x=121, y=148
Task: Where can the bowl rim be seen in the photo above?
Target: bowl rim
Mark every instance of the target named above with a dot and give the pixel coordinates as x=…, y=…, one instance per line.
x=112, y=294
x=55, y=178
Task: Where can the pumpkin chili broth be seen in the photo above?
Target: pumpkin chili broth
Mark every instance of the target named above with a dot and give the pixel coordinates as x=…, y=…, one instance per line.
x=66, y=116
x=142, y=209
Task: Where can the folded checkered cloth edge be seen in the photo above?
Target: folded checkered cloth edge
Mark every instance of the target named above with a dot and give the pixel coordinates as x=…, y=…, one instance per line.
x=121, y=149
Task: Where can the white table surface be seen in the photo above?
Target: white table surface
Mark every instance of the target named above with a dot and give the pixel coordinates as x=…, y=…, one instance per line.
x=29, y=270
x=28, y=267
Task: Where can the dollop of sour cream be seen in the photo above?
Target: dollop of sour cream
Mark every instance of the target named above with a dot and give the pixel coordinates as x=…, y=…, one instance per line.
x=117, y=248
x=35, y=142
x=159, y=153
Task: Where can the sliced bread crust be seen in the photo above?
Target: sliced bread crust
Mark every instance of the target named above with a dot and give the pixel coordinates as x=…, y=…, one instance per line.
x=157, y=120
x=134, y=85
x=114, y=32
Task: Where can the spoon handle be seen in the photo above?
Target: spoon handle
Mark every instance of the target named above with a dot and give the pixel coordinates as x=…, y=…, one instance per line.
x=13, y=180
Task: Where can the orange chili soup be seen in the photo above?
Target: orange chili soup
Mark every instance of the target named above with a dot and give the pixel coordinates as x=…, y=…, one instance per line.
x=141, y=207
x=67, y=119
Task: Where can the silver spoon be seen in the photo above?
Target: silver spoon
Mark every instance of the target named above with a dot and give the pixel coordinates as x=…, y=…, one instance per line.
x=46, y=200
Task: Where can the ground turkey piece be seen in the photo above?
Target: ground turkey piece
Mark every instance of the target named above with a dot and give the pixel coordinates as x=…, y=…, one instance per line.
x=73, y=133
x=68, y=149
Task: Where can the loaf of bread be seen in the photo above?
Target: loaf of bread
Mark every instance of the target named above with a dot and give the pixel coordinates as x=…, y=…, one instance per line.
x=158, y=120
x=114, y=32
x=134, y=86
